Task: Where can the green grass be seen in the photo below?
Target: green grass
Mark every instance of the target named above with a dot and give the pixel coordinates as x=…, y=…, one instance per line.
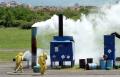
x=11, y=38
x=15, y=38
x=7, y=56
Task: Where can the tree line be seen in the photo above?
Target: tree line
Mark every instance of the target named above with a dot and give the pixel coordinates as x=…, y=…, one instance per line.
x=24, y=17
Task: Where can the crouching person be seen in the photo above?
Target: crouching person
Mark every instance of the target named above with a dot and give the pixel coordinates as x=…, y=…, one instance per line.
x=42, y=62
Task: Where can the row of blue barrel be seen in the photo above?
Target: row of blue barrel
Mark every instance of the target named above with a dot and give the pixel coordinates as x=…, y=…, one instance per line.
x=36, y=69
x=106, y=64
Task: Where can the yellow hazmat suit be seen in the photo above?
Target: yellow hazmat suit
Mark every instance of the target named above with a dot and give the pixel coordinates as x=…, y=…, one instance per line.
x=42, y=62
x=19, y=65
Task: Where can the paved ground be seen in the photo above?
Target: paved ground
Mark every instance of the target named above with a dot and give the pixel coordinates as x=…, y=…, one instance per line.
x=6, y=69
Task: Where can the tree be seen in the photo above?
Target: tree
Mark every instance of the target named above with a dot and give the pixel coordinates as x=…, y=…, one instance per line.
x=8, y=19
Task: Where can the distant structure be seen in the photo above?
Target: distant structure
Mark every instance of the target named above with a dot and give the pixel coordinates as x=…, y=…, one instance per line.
x=13, y=3
x=9, y=3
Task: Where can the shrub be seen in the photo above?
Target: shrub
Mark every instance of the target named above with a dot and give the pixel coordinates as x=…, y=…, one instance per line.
x=26, y=25
x=16, y=23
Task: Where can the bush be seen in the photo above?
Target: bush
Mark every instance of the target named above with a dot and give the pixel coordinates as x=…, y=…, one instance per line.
x=1, y=22
x=16, y=23
x=22, y=24
x=26, y=25
x=24, y=17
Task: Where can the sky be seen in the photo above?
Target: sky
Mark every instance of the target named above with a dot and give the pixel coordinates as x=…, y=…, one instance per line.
x=65, y=2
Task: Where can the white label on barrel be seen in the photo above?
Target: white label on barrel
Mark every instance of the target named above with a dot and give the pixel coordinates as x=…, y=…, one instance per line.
x=56, y=49
x=68, y=57
x=63, y=56
x=109, y=51
x=54, y=56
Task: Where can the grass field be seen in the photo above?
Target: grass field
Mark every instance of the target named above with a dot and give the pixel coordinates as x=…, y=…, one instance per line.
x=15, y=38
x=7, y=56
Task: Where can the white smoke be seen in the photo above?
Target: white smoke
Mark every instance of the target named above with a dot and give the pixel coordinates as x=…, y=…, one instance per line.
x=28, y=56
x=88, y=32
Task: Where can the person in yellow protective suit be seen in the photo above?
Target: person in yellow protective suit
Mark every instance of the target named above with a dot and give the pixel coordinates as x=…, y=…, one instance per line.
x=42, y=62
x=19, y=65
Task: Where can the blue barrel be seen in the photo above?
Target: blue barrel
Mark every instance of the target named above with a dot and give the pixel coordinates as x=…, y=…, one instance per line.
x=92, y=66
x=109, y=64
x=102, y=64
x=36, y=69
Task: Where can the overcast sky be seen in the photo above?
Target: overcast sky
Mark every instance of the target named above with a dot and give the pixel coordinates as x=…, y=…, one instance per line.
x=64, y=2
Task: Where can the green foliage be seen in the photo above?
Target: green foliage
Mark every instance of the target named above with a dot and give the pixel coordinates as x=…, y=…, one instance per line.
x=16, y=17
x=70, y=13
x=26, y=25
x=1, y=23
x=2, y=12
x=8, y=19
x=24, y=17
